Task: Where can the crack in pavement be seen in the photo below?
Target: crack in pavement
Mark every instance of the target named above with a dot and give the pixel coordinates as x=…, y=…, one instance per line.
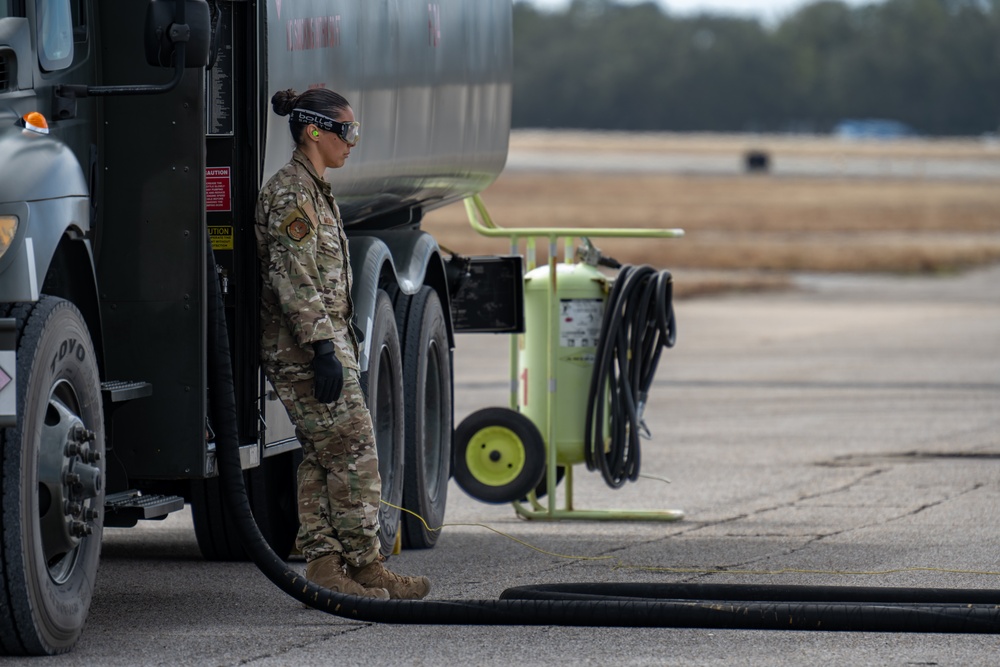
x=688, y=529
x=811, y=541
x=691, y=528
x=338, y=632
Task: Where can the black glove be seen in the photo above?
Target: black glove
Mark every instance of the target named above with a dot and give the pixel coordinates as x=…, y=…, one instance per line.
x=329, y=380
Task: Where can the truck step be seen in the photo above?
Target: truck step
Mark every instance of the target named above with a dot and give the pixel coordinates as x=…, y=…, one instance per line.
x=125, y=509
x=117, y=391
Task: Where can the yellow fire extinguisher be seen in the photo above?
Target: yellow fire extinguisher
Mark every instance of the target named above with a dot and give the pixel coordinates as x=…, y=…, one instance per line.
x=581, y=293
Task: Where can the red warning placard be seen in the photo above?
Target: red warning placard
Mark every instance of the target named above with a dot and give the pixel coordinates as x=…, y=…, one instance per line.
x=217, y=189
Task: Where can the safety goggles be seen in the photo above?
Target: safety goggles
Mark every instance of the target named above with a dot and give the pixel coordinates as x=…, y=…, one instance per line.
x=349, y=131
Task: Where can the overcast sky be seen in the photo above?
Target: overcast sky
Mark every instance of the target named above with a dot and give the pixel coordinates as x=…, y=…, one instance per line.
x=768, y=10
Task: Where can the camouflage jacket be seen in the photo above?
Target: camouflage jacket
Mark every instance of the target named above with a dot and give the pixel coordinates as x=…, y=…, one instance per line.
x=305, y=266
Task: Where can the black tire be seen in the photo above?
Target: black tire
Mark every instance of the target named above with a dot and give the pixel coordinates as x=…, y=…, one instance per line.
x=213, y=528
x=271, y=488
x=273, y=491
x=499, y=455
x=427, y=384
x=52, y=493
x=383, y=387
x=542, y=489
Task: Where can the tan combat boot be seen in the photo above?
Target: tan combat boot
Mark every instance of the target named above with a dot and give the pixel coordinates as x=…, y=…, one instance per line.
x=399, y=587
x=328, y=572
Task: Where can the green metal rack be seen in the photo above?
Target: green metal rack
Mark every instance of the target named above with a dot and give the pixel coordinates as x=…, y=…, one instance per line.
x=482, y=223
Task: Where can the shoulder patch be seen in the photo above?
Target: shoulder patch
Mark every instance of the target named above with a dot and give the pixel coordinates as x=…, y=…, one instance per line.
x=297, y=229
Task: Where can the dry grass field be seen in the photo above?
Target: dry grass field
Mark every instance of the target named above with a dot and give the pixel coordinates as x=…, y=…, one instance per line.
x=750, y=230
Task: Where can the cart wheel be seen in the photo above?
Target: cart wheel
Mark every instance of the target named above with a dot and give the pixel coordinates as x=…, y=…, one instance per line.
x=499, y=455
x=541, y=490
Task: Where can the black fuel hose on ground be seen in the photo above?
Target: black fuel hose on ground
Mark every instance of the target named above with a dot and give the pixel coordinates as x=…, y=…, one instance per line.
x=600, y=605
x=638, y=323
x=828, y=608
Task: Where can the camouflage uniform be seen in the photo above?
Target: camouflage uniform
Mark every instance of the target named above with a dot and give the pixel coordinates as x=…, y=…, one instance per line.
x=306, y=297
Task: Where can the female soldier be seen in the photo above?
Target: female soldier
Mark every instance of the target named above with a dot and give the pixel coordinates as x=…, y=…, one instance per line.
x=310, y=353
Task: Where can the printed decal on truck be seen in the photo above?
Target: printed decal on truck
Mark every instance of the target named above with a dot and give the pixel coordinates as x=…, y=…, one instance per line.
x=8, y=393
x=8, y=371
x=217, y=189
x=221, y=237
x=314, y=32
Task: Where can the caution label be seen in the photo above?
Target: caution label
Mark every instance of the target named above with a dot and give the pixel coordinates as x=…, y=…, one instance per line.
x=217, y=189
x=221, y=237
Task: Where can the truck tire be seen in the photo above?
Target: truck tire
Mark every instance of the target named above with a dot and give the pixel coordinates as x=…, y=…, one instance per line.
x=273, y=491
x=271, y=488
x=383, y=387
x=52, y=493
x=427, y=387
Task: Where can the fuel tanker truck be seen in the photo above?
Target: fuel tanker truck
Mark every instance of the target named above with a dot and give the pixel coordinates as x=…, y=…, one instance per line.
x=134, y=138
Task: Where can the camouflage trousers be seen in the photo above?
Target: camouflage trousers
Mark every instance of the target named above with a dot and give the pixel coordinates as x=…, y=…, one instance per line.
x=338, y=481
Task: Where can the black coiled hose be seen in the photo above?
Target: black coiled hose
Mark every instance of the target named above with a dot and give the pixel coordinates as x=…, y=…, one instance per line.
x=638, y=323
x=595, y=605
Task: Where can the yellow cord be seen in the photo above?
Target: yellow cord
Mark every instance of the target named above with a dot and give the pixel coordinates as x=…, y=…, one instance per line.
x=498, y=532
x=618, y=565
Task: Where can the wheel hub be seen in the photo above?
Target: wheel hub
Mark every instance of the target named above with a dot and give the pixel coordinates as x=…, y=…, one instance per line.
x=69, y=479
x=495, y=456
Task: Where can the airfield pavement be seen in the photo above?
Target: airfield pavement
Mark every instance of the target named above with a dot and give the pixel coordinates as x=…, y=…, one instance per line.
x=845, y=431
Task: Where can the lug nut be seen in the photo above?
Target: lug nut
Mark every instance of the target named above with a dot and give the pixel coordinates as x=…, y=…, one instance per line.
x=81, y=434
x=79, y=529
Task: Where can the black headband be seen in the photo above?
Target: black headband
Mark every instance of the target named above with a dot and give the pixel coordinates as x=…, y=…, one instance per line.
x=314, y=117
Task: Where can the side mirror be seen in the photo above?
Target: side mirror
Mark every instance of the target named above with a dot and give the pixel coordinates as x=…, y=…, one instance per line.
x=165, y=31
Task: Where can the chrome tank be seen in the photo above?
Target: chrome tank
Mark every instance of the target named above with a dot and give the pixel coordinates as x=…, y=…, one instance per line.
x=429, y=81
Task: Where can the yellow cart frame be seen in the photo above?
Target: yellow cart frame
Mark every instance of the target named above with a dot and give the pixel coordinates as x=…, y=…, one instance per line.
x=482, y=223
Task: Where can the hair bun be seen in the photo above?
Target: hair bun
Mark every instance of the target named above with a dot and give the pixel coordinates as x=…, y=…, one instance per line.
x=283, y=101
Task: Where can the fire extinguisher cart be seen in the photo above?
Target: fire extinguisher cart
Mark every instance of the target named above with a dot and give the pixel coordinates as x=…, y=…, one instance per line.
x=518, y=454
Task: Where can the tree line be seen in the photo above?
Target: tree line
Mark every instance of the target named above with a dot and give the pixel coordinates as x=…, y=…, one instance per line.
x=931, y=64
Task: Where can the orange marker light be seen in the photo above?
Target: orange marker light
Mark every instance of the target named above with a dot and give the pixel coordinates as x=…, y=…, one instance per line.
x=8, y=227
x=35, y=122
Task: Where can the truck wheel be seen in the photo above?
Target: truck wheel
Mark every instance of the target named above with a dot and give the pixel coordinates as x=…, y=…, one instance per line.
x=427, y=382
x=273, y=491
x=383, y=387
x=52, y=493
x=271, y=488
